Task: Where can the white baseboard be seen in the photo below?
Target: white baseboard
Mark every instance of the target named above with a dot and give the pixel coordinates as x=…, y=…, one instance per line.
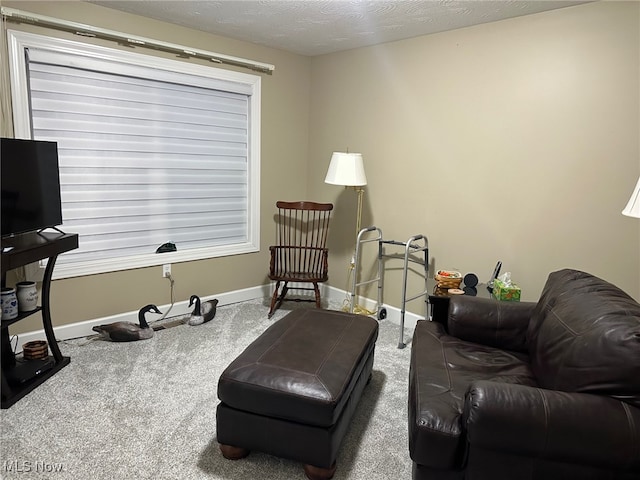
x=84, y=328
x=393, y=314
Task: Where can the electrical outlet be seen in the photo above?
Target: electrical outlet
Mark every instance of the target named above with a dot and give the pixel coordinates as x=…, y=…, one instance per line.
x=166, y=270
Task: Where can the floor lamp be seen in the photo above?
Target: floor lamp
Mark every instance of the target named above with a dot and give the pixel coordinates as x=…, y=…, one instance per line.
x=633, y=206
x=347, y=169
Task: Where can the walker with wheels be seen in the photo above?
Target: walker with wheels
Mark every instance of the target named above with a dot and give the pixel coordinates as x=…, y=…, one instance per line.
x=413, y=247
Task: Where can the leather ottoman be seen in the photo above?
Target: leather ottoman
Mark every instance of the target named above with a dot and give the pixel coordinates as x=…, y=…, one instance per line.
x=293, y=391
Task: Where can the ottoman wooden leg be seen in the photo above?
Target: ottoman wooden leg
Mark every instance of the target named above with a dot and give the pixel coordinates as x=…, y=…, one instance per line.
x=319, y=473
x=233, y=453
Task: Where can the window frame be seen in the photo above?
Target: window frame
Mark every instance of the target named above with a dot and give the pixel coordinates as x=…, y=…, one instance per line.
x=18, y=41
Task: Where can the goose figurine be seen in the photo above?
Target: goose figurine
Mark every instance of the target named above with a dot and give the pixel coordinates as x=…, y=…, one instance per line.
x=128, y=331
x=203, y=312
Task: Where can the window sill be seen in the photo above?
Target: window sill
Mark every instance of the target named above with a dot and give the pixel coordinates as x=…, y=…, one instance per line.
x=150, y=260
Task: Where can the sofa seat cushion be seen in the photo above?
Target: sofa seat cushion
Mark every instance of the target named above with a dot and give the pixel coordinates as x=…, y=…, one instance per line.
x=442, y=368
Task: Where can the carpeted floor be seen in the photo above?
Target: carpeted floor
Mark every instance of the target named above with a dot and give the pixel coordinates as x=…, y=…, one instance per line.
x=146, y=410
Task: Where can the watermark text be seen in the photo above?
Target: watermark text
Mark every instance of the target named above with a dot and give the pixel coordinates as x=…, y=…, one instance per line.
x=27, y=466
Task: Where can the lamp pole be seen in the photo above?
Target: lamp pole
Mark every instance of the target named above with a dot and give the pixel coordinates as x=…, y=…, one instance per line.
x=360, y=192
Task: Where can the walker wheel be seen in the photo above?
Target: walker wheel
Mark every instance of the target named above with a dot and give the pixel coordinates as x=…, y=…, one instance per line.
x=382, y=314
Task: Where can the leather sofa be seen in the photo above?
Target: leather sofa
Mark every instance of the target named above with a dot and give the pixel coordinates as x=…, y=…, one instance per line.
x=525, y=390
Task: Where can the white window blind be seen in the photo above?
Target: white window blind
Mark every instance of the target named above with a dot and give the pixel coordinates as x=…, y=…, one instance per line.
x=146, y=156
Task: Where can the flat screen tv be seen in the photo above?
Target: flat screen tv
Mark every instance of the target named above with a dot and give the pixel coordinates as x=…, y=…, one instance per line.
x=30, y=186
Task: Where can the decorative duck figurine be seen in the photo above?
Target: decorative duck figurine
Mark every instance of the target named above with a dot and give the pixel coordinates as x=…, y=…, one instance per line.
x=203, y=312
x=128, y=331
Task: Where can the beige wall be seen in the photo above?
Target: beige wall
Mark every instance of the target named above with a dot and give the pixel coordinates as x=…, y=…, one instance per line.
x=516, y=141
x=285, y=117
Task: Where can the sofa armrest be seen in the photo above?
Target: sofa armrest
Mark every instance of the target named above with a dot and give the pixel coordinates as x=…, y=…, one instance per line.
x=560, y=426
x=490, y=322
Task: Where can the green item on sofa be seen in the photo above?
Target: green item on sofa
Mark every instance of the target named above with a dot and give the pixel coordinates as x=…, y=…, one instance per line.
x=502, y=291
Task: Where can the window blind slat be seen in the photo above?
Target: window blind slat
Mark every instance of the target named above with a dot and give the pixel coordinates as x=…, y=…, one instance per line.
x=180, y=131
x=79, y=115
x=132, y=109
x=117, y=160
x=103, y=210
x=126, y=145
x=130, y=115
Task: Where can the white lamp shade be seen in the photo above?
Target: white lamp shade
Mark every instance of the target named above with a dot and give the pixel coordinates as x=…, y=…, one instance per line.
x=346, y=169
x=633, y=206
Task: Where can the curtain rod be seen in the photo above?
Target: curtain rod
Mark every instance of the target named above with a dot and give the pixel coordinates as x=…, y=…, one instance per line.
x=18, y=16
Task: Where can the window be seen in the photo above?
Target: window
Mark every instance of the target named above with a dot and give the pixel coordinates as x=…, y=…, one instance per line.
x=150, y=150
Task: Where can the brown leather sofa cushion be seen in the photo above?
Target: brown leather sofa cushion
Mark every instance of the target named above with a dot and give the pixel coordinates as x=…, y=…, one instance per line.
x=584, y=336
x=442, y=367
x=302, y=368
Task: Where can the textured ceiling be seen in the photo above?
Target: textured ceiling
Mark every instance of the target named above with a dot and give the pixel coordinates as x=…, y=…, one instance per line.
x=315, y=27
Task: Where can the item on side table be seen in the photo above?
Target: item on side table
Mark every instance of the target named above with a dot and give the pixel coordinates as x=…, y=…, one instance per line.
x=35, y=350
x=26, y=371
x=494, y=275
x=27, y=294
x=448, y=279
x=470, y=280
x=509, y=292
x=9, y=304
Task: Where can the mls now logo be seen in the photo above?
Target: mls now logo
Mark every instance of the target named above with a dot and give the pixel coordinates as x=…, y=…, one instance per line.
x=25, y=466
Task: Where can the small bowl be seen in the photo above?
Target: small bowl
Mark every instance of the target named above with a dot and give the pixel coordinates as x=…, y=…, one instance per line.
x=35, y=350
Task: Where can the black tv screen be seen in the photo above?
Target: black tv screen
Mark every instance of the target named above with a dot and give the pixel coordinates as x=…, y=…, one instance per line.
x=30, y=186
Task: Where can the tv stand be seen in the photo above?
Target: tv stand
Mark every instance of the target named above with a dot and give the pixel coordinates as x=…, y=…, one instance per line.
x=18, y=251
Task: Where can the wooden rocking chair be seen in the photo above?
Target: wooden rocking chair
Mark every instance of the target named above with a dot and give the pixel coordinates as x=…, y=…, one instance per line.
x=300, y=254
